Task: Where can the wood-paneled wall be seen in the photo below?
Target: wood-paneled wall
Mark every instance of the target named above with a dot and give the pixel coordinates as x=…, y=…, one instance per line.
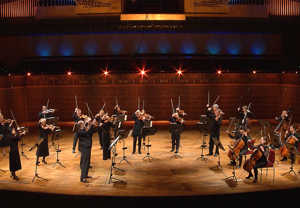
x=269, y=93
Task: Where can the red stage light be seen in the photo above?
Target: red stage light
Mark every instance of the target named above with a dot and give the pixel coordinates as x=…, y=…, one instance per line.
x=179, y=72
x=105, y=73
x=28, y=74
x=219, y=72
x=69, y=73
x=254, y=72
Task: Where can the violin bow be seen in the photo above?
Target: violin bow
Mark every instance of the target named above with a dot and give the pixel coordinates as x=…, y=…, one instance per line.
x=208, y=97
x=48, y=103
x=76, y=103
x=89, y=110
x=173, y=111
x=14, y=118
x=217, y=99
x=139, y=102
x=117, y=104
x=103, y=106
x=143, y=105
x=178, y=102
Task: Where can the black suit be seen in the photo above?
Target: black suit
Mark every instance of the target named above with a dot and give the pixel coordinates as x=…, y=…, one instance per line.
x=85, y=145
x=137, y=133
x=175, y=133
x=76, y=119
x=4, y=130
x=106, y=137
x=214, y=130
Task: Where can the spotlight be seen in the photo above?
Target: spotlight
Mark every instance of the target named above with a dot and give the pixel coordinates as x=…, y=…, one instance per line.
x=297, y=72
x=219, y=72
x=254, y=72
x=283, y=72
x=143, y=72
x=179, y=72
x=105, y=73
x=28, y=74
x=69, y=73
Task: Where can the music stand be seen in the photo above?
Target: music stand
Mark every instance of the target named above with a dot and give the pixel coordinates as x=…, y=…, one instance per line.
x=148, y=132
x=292, y=165
x=124, y=150
x=233, y=177
x=218, y=144
x=22, y=148
x=203, y=129
x=36, y=175
x=121, y=134
x=175, y=127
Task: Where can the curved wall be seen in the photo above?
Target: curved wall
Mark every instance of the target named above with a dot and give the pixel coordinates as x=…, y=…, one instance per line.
x=269, y=93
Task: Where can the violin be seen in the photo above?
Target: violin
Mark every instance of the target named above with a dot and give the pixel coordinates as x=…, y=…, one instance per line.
x=48, y=111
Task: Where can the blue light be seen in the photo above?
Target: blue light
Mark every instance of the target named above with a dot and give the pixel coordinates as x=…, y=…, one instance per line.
x=141, y=47
x=213, y=47
x=163, y=46
x=66, y=49
x=116, y=47
x=43, y=49
x=90, y=48
x=234, y=48
x=258, y=48
x=188, y=47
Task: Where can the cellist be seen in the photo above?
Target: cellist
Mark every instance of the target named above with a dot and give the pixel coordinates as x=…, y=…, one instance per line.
x=257, y=160
x=240, y=147
x=290, y=145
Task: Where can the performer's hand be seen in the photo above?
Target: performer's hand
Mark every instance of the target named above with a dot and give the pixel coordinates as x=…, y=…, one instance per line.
x=227, y=131
x=207, y=105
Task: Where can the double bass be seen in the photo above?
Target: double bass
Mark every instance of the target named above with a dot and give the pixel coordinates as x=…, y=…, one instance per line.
x=234, y=151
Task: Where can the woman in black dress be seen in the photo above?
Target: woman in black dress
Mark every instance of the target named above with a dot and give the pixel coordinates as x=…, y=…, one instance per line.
x=14, y=157
x=42, y=145
x=4, y=131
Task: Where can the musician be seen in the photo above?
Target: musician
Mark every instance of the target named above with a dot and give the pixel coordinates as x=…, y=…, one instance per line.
x=243, y=135
x=98, y=118
x=77, y=116
x=106, y=125
x=243, y=115
x=175, y=133
x=85, y=133
x=46, y=113
x=262, y=161
x=214, y=114
x=284, y=120
x=137, y=131
x=4, y=131
x=117, y=111
x=290, y=148
x=14, y=157
x=42, y=146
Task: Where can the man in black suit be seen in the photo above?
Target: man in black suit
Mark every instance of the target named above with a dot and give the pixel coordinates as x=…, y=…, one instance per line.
x=137, y=131
x=85, y=133
x=175, y=131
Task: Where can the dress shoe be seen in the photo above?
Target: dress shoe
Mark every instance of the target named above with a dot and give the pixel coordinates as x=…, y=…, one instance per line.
x=90, y=166
x=284, y=159
x=140, y=152
x=44, y=161
x=249, y=176
x=172, y=150
x=37, y=163
x=133, y=152
x=176, y=152
x=73, y=151
x=255, y=180
x=209, y=154
x=83, y=180
x=216, y=154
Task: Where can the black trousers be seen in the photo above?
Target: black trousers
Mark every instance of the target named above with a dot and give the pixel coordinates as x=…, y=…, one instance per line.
x=259, y=164
x=175, y=141
x=75, y=140
x=106, y=144
x=135, y=139
x=85, y=162
x=212, y=144
x=100, y=138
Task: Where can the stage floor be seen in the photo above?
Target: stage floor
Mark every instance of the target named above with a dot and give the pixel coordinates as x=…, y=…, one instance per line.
x=164, y=176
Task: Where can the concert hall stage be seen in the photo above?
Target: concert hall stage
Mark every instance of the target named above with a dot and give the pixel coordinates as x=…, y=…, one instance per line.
x=164, y=176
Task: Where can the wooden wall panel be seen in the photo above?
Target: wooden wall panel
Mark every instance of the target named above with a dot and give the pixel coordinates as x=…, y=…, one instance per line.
x=269, y=93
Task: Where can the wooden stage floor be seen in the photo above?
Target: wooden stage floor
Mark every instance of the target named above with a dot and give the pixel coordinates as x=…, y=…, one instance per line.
x=164, y=176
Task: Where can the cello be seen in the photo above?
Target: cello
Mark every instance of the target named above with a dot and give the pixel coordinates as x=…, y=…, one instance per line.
x=249, y=163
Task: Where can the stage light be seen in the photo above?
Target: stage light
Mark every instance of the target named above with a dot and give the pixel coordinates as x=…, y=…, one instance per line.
x=283, y=72
x=69, y=73
x=28, y=74
x=219, y=71
x=254, y=72
x=105, y=73
x=179, y=72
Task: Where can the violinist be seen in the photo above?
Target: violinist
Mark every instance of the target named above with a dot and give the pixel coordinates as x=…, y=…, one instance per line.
x=137, y=130
x=180, y=112
x=284, y=119
x=214, y=114
x=42, y=145
x=290, y=145
x=257, y=160
x=14, y=157
x=147, y=123
x=85, y=133
x=98, y=118
x=45, y=112
x=117, y=111
x=243, y=114
x=77, y=116
x=240, y=147
x=5, y=125
x=176, y=131
x=106, y=125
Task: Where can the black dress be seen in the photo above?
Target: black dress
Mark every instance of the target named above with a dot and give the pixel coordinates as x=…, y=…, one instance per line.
x=106, y=137
x=43, y=149
x=4, y=130
x=14, y=156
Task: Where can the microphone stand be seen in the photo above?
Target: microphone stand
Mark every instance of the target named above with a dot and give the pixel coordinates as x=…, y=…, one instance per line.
x=22, y=149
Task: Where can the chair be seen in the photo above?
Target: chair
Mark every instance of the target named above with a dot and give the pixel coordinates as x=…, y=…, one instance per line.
x=270, y=164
